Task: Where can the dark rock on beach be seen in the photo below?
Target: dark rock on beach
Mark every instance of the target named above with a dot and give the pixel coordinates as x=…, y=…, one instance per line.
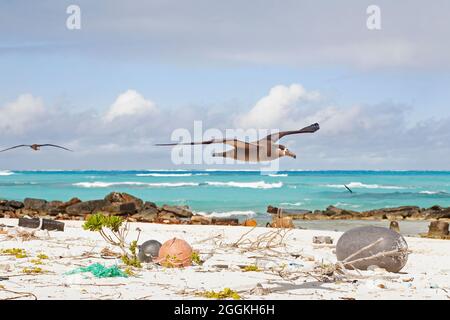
x=148, y=215
x=436, y=212
x=149, y=205
x=127, y=208
x=135, y=209
x=334, y=213
x=165, y=215
x=69, y=203
x=54, y=208
x=179, y=211
x=398, y=213
x=35, y=204
x=197, y=219
x=15, y=204
x=122, y=197
x=86, y=207
x=6, y=207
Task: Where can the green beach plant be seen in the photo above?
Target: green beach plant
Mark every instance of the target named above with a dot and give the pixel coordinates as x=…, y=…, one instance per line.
x=196, y=258
x=114, y=230
x=250, y=268
x=19, y=253
x=42, y=256
x=226, y=293
x=33, y=270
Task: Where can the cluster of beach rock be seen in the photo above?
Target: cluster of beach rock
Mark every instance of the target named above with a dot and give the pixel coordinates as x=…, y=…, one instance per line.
x=137, y=210
x=397, y=213
x=115, y=203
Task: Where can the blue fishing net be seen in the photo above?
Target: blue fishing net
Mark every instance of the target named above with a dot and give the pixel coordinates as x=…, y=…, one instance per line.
x=100, y=271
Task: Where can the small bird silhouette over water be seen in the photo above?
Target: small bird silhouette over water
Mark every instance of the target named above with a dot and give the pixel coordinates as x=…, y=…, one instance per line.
x=36, y=147
x=266, y=149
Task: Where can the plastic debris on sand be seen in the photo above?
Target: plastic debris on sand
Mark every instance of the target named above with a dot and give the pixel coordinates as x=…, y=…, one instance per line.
x=100, y=271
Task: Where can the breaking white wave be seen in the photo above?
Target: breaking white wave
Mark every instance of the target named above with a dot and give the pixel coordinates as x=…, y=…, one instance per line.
x=6, y=173
x=164, y=174
x=433, y=192
x=170, y=174
x=99, y=184
x=227, y=214
x=231, y=170
x=253, y=185
x=356, y=185
x=278, y=175
x=291, y=204
x=343, y=204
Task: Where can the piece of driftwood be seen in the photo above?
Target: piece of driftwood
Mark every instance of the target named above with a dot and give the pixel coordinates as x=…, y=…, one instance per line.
x=266, y=240
x=438, y=228
x=292, y=213
x=44, y=224
x=225, y=221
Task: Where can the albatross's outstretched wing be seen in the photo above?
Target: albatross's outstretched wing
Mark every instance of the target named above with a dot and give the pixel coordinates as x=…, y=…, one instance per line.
x=53, y=145
x=277, y=136
x=232, y=142
x=191, y=143
x=18, y=146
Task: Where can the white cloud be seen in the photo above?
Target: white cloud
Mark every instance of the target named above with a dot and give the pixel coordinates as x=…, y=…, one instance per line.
x=362, y=136
x=18, y=116
x=130, y=103
x=335, y=120
x=277, y=108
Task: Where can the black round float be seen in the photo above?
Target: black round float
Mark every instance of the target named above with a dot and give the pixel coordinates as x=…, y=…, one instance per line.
x=149, y=250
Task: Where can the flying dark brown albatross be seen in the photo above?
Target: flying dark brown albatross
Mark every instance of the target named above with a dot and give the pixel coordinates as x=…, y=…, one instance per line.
x=265, y=149
x=36, y=147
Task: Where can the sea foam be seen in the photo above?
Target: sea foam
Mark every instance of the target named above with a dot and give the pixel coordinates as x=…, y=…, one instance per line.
x=278, y=175
x=99, y=184
x=363, y=185
x=164, y=174
x=433, y=192
x=253, y=185
x=170, y=174
x=227, y=214
x=291, y=204
x=6, y=173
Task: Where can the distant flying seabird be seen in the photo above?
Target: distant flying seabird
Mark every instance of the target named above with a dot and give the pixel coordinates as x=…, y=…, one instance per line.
x=262, y=150
x=36, y=147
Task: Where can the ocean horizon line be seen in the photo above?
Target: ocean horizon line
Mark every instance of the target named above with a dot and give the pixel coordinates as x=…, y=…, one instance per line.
x=227, y=170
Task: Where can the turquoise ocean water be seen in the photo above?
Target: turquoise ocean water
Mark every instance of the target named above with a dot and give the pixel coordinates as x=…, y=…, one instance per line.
x=240, y=193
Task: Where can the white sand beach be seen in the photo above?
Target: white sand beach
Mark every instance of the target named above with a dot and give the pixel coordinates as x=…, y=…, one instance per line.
x=289, y=269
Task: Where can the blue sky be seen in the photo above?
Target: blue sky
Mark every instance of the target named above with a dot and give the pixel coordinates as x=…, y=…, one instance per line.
x=211, y=61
